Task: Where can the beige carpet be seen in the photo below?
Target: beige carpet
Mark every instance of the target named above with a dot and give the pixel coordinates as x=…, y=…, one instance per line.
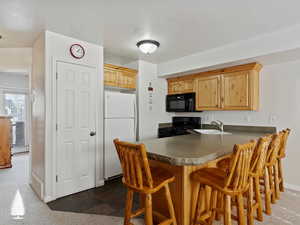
x=20, y=206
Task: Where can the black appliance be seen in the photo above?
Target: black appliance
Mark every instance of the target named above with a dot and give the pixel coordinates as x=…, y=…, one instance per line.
x=181, y=103
x=180, y=126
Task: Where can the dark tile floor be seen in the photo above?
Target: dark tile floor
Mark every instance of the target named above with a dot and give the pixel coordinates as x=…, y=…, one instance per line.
x=106, y=200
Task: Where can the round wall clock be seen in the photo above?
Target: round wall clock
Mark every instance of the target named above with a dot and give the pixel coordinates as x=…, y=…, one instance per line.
x=77, y=51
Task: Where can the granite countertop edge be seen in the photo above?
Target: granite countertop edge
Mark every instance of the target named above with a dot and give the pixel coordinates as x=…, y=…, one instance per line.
x=201, y=160
x=185, y=161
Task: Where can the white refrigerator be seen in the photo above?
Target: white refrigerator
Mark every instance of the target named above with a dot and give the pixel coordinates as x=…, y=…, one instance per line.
x=119, y=122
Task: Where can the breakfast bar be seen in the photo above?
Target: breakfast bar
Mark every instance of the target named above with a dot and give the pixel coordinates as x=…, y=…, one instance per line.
x=182, y=155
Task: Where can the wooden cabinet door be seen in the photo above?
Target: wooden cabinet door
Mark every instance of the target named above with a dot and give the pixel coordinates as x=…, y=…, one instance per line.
x=130, y=80
x=188, y=86
x=180, y=86
x=110, y=77
x=122, y=77
x=208, y=93
x=175, y=87
x=235, y=91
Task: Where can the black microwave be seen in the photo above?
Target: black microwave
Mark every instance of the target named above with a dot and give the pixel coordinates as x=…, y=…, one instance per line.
x=181, y=103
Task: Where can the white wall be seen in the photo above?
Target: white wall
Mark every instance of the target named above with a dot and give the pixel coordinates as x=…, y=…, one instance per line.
x=38, y=116
x=150, y=117
x=15, y=59
x=263, y=45
x=47, y=50
x=13, y=80
x=279, y=106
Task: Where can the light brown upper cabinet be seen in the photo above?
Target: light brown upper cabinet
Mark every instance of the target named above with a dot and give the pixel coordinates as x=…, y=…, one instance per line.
x=235, y=88
x=208, y=92
x=116, y=76
x=232, y=88
x=178, y=86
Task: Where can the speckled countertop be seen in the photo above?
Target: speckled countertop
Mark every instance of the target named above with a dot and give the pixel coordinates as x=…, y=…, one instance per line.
x=196, y=149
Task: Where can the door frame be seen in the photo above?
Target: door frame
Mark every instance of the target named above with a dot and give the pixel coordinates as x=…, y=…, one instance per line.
x=51, y=120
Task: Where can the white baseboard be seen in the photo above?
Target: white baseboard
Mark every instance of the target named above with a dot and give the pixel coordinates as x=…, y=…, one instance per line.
x=292, y=187
x=99, y=183
x=37, y=185
x=48, y=199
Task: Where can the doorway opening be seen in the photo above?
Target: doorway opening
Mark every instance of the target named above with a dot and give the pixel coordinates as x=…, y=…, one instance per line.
x=15, y=111
x=16, y=107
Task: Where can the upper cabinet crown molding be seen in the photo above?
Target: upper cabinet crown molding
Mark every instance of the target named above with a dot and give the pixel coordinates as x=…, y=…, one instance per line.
x=231, y=88
x=118, y=76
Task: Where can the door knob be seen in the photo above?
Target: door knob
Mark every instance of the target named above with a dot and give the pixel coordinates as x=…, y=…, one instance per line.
x=92, y=133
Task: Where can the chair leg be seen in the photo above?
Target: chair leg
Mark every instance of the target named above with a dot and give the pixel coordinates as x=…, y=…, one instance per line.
x=276, y=181
x=213, y=206
x=272, y=184
x=227, y=210
x=170, y=204
x=281, y=186
x=199, y=207
x=148, y=210
x=128, y=207
x=219, y=206
x=241, y=213
x=267, y=192
x=250, y=216
x=258, y=200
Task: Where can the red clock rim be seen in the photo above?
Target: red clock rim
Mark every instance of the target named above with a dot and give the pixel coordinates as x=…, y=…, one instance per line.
x=80, y=47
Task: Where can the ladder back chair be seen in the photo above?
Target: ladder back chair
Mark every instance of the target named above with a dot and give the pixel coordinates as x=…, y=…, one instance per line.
x=281, y=155
x=139, y=177
x=254, y=198
x=270, y=176
x=232, y=183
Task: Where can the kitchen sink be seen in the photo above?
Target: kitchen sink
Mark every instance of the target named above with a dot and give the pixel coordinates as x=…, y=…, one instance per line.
x=210, y=131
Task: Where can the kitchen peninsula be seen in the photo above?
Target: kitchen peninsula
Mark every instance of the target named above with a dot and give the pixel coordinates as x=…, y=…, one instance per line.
x=182, y=155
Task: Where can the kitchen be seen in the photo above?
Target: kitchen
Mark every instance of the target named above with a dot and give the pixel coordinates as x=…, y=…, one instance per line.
x=201, y=141
x=186, y=106
x=184, y=155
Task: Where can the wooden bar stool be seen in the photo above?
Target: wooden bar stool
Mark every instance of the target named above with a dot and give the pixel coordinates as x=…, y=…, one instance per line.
x=254, y=198
x=229, y=184
x=258, y=164
x=139, y=177
x=281, y=155
x=270, y=178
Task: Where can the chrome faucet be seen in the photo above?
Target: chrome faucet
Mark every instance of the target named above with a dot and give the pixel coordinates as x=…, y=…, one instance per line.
x=218, y=124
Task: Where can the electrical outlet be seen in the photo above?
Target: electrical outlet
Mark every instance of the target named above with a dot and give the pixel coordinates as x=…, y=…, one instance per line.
x=272, y=119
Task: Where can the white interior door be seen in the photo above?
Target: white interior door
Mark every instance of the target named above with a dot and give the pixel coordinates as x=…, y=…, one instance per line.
x=76, y=118
x=116, y=128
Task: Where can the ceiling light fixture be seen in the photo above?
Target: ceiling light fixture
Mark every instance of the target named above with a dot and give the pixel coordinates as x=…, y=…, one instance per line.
x=148, y=46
